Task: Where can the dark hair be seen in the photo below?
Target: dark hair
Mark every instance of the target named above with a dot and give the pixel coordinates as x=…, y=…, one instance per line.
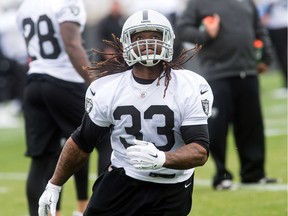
x=116, y=63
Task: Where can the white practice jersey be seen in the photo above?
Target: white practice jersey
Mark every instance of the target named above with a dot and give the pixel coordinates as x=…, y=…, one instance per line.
x=39, y=23
x=141, y=112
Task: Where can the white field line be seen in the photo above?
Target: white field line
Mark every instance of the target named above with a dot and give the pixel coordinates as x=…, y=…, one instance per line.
x=239, y=186
x=275, y=132
x=200, y=182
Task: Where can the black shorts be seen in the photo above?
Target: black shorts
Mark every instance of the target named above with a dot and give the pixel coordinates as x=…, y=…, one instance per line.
x=53, y=109
x=116, y=194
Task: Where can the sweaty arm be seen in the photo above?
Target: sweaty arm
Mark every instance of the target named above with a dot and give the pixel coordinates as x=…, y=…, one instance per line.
x=194, y=153
x=77, y=149
x=72, y=39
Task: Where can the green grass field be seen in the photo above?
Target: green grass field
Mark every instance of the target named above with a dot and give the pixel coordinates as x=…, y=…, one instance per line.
x=269, y=200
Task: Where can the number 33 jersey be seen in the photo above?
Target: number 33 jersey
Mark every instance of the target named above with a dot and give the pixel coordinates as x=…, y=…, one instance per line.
x=39, y=22
x=141, y=111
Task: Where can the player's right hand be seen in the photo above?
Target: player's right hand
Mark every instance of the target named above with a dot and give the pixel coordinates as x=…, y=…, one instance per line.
x=49, y=199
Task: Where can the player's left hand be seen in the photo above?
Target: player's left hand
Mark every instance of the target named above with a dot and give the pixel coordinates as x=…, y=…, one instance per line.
x=145, y=155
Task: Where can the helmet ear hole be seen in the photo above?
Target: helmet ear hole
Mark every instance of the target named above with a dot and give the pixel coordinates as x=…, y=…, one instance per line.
x=147, y=20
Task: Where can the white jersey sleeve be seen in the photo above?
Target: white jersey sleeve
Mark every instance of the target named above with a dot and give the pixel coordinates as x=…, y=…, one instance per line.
x=70, y=10
x=39, y=22
x=142, y=112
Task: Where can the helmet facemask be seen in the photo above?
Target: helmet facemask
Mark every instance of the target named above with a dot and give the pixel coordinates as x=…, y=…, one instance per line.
x=162, y=49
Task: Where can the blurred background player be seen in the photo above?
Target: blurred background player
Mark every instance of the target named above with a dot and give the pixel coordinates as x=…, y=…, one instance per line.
x=13, y=66
x=110, y=24
x=55, y=91
x=273, y=15
x=227, y=29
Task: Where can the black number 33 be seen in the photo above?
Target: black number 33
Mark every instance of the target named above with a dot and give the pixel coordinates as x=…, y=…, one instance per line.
x=44, y=30
x=135, y=129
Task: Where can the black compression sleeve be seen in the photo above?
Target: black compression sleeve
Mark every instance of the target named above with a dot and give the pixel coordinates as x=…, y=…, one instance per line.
x=88, y=134
x=196, y=133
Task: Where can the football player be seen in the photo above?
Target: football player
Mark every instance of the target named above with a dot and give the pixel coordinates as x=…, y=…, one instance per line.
x=55, y=92
x=158, y=121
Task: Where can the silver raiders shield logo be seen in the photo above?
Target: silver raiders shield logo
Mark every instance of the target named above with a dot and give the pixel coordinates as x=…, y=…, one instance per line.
x=205, y=106
x=88, y=105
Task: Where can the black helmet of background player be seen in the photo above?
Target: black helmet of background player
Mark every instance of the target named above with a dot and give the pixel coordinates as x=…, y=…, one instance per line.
x=147, y=20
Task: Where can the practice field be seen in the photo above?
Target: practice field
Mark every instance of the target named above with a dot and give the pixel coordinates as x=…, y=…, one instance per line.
x=254, y=200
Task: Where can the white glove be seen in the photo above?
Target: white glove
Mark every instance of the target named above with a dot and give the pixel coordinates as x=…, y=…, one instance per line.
x=145, y=155
x=49, y=199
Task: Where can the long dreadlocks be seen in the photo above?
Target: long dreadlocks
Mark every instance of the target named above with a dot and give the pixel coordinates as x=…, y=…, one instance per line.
x=115, y=63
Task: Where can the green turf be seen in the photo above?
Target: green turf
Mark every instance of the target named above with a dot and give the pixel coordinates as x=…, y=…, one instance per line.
x=206, y=202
